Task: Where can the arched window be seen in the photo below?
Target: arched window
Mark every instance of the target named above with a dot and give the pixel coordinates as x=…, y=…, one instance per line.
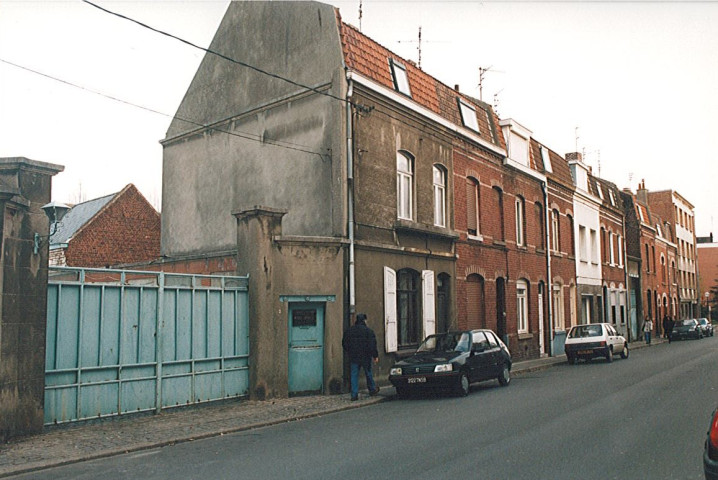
x=499, y=197
x=555, y=231
x=404, y=186
x=475, y=302
x=408, y=308
x=540, y=221
x=522, y=306
x=472, y=207
x=520, y=222
x=439, y=196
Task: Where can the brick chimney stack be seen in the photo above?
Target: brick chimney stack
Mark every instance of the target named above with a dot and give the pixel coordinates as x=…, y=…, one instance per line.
x=574, y=156
x=642, y=192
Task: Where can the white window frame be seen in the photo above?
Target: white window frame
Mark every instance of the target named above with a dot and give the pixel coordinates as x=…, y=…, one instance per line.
x=439, y=196
x=522, y=306
x=405, y=187
x=428, y=302
x=468, y=116
x=558, y=308
x=620, y=250
x=391, y=334
x=520, y=215
x=400, y=77
x=555, y=239
x=582, y=244
x=611, y=250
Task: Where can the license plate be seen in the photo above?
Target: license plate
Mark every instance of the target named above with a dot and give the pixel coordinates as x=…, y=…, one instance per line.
x=585, y=352
x=416, y=380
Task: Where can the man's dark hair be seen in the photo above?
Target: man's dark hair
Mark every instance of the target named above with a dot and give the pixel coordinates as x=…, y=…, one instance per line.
x=361, y=319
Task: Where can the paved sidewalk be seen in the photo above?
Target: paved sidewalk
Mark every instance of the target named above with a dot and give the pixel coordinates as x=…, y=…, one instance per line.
x=76, y=443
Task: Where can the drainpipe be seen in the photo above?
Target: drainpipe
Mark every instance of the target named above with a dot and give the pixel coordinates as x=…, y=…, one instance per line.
x=627, y=286
x=549, y=282
x=350, y=197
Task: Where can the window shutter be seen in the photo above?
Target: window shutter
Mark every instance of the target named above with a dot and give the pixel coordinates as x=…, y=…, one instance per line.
x=471, y=224
x=429, y=302
x=390, y=332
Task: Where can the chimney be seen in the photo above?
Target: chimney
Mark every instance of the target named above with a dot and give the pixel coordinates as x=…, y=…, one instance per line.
x=642, y=192
x=574, y=156
x=456, y=87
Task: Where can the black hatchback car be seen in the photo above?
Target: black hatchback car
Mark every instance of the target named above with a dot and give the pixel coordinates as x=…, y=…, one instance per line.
x=688, y=328
x=452, y=361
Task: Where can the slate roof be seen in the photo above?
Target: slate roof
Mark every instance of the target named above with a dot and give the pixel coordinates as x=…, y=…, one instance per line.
x=373, y=61
x=77, y=217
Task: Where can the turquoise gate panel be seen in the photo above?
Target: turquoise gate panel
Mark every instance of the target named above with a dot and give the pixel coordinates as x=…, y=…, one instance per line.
x=130, y=341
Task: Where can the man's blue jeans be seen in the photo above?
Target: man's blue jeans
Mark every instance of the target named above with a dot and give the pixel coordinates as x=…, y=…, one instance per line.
x=648, y=337
x=355, y=378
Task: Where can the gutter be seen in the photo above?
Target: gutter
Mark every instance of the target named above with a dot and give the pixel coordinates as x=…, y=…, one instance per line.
x=350, y=196
x=549, y=281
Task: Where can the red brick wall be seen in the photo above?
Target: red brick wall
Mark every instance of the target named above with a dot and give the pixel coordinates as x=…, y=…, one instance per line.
x=126, y=230
x=492, y=256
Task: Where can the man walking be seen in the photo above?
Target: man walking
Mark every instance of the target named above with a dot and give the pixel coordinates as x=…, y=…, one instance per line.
x=647, y=329
x=359, y=343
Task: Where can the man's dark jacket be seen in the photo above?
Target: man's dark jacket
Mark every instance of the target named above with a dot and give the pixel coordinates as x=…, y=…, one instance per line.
x=360, y=344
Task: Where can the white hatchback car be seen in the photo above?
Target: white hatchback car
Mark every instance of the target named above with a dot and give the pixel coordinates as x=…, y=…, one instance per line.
x=595, y=340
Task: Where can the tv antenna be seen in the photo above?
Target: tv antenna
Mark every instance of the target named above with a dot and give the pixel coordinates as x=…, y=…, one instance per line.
x=419, y=41
x=360, y=14
x=482, y=72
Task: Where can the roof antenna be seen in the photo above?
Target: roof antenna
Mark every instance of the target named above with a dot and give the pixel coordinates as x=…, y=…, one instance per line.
x=496, y=102
x=482, y=72
x=577, y=137
x=360, y=14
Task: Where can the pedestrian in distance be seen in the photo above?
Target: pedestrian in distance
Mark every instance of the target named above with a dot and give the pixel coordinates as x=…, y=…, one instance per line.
x=359, y=343
x=666, y=320
x=647, y=329
x=671, y=324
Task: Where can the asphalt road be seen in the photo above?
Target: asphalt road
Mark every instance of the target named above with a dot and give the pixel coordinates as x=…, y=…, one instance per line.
x=644, y=417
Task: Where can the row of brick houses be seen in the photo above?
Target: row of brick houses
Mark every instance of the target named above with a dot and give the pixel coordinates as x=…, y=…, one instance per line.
x=364, y=184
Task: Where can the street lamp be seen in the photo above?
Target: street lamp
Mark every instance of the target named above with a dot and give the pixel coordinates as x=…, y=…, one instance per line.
x=54, y=212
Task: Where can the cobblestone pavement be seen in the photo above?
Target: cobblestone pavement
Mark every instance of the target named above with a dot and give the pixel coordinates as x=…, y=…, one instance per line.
x=79, y=442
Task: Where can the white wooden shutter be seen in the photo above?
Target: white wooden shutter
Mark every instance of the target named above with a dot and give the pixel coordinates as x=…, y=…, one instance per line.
x=390, y=331
x=428, y=302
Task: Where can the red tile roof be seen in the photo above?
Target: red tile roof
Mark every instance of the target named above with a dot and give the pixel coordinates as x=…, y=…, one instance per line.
x=371, y=60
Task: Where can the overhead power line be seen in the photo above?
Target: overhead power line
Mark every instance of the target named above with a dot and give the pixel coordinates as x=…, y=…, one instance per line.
x=221, y=55
x=247, y=136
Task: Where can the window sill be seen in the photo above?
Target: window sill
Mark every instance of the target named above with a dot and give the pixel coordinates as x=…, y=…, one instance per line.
x=475, y=238
x=500, y=242
x=525, y=336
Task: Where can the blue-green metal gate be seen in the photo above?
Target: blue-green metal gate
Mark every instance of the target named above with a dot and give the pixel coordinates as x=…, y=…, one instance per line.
x=121, y=341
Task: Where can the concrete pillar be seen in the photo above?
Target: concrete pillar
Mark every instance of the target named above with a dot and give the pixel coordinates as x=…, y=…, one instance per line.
x=256, y=229
x=25, y=186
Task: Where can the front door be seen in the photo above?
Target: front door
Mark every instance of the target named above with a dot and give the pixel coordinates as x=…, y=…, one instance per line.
x=306, y=347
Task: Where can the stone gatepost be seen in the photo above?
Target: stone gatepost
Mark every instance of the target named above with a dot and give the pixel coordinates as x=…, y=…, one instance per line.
x=25, y=186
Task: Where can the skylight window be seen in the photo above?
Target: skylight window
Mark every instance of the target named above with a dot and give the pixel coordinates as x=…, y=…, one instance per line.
x=468, y=116
x=546, y=159
x=401, y=79
x=599, y=190
x=612, y=197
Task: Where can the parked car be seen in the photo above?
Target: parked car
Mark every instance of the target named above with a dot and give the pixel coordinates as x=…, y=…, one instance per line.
x=706, y=326
x=710, y=454
x=594, y=340
x=688, y=328
x=452, y=361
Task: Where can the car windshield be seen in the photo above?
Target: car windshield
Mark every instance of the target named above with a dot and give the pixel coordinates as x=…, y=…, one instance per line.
x=681, y=323
x=582, y=331
x=703, y=321
x=446, y=342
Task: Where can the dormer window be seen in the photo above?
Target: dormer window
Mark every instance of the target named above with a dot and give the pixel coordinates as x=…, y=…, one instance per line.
x=468, y=116
x=401, y=79
x=519, y=148
x=612, y=197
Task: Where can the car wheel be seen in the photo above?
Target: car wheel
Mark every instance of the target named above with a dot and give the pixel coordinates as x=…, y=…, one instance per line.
x=462, y=386
x=609, y=355
x=571, y=360
x=624, y=353
x=505, y=376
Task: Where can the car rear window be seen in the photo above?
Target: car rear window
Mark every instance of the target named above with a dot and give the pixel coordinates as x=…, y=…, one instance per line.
x=583, y=331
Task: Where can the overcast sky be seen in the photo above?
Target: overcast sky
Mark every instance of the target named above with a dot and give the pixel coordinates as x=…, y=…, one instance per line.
x=631, y=84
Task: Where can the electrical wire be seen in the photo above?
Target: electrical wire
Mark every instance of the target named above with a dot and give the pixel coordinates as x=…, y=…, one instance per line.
x=221, y=55
x=247, y=136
